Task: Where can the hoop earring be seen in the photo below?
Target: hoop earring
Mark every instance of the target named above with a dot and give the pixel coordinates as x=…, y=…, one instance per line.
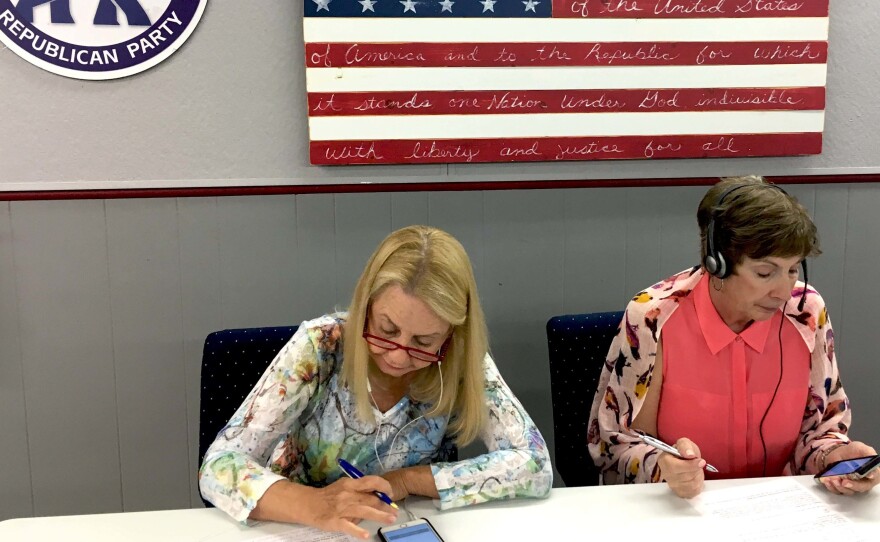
x=717, y=289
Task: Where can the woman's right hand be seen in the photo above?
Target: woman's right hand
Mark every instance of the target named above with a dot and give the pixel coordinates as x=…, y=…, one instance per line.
x=342, y=505
x=684, y=476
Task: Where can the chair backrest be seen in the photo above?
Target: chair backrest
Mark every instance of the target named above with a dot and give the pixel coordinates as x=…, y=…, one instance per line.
x=578, y=345
x=232, y=362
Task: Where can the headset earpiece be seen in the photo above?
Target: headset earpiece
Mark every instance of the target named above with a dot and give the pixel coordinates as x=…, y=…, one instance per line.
x=803, y=300
x=713, y=261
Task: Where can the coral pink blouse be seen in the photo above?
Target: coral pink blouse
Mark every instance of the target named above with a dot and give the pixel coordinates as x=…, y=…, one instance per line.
x=718, y=385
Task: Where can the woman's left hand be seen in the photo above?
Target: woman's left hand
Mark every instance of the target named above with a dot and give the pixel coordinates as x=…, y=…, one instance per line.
x=408, y=481
x=844, y=485
x=397, y=479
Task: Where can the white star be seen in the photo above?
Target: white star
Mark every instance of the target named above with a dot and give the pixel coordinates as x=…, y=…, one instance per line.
x=446, y=5
x=488, y=5
x=368, y=5
x=322, y=4
x=530, y=5
x=408, y=5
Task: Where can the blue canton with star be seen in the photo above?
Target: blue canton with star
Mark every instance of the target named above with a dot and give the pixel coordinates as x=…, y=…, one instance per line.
x=428, y=8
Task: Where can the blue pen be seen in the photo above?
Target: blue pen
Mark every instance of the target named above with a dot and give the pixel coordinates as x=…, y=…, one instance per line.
x=352, y=472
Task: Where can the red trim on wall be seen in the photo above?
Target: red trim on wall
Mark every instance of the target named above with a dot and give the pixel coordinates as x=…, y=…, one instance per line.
x=404, y=187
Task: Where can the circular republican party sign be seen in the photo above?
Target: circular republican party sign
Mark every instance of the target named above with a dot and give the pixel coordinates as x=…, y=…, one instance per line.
x=97, y=39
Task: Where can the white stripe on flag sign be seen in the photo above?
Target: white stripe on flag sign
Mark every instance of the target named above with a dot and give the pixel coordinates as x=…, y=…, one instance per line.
x=584, y=78
x=564, y=125
x=561, y=30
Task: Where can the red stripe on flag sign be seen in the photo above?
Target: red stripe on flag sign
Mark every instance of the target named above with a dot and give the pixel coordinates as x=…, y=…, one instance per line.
x=690, y=9
x=365, y=55
x=325, y=104
x=561, y=149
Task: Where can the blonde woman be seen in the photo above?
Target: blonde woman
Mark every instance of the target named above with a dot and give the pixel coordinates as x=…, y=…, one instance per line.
x=391, y=387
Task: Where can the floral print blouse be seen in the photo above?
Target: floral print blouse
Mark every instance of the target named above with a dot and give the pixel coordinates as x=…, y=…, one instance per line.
x=299, y=419
x=624, y=383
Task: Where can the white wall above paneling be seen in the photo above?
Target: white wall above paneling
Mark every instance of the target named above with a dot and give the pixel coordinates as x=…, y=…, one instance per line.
x=229, y=109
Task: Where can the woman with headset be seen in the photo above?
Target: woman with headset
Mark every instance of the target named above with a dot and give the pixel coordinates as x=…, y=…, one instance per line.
x=731, y=362
x=391, y=387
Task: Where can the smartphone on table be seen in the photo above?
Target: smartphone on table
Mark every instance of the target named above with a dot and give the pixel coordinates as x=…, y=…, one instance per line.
x=418, y=530
x=856, y=468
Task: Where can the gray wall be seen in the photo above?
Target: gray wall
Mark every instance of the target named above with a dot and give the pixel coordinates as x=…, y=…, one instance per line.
x=229, y=108
x=104, y=304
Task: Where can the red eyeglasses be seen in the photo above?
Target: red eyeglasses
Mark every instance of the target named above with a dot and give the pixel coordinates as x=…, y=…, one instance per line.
x=421, y=355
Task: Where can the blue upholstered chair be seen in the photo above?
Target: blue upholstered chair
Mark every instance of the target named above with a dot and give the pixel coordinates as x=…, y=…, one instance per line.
x=232, y=362
x=578, y=345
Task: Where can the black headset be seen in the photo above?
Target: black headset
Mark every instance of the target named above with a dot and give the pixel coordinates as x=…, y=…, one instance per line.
x=715, y=262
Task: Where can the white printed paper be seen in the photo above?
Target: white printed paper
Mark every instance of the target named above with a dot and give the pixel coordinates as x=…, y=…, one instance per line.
x=304, y=534
x=775, y=510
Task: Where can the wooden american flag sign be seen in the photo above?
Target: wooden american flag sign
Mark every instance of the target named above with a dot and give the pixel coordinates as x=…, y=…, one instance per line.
x=449, y=81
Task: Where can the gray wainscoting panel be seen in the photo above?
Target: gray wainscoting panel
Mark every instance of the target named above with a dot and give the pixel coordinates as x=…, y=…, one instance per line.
x=641, y=253
x=679, y=233
x=197, y=220
x=859, y=369
x=805, y=194
x=257, y=260
x=16, y=499
x=826, y=271
x=316, y=288
x=104, y=311
x=151, y=382
x=523, y=288
x=362, y=221
x=461, y=215
x=67, y=353
x=408, y=208
x=595, y=239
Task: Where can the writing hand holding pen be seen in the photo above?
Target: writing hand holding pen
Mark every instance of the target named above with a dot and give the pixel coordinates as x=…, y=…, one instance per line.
x=681, y=466
x=663, y=447
x=355, y=474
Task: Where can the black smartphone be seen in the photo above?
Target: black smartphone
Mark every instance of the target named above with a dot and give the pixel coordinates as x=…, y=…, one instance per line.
x=418, y=530
x=856, y=468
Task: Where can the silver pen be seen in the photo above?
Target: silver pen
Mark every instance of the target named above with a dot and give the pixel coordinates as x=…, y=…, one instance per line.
x=663, y=447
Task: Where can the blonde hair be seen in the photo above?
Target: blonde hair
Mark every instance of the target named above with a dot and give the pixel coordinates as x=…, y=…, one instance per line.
x=431, y=265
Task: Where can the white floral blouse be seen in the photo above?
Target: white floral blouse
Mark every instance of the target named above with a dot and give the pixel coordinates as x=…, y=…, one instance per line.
x=298, y=420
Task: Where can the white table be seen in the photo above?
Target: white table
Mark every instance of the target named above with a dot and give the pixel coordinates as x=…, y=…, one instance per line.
x=588, y=513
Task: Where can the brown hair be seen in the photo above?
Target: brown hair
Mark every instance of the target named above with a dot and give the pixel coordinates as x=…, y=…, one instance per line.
x=755, y=220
